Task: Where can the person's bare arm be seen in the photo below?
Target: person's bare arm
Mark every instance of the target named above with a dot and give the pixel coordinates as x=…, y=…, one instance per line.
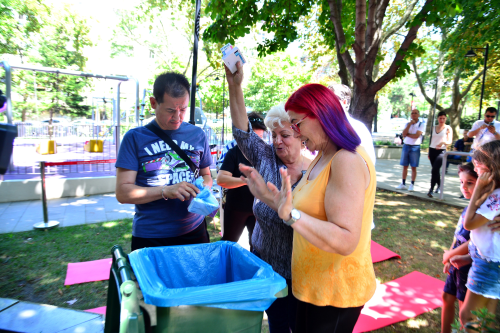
x=459, y=250
x=473, y=220
x=407, y=128
x=344, y=201
x=473, y=133
x=128, y=192
x=236, y=99
x=225, y=179
x=207, y=176
x=414, y=136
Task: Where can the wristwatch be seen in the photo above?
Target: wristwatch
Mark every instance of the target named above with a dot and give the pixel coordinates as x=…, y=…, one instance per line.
x=295, y=216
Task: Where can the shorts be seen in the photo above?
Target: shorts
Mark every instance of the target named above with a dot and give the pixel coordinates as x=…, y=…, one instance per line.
x=484, y=275
x=456, y=281
x=410, y=156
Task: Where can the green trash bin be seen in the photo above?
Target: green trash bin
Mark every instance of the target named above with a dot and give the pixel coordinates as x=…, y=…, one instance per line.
x=128, y=312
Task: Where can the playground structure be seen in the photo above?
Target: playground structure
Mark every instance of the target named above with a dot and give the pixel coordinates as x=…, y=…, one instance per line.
x=116, y=110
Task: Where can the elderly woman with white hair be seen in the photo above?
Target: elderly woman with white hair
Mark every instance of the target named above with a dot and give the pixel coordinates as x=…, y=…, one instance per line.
x=272, y=239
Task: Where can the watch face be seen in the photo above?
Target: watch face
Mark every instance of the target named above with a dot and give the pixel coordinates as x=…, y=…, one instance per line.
x=295, y=214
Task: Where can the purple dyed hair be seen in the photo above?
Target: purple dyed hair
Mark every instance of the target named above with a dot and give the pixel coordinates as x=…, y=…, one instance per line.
x=320, y=102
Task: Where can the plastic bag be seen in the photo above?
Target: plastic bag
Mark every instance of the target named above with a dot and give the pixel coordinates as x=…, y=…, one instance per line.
x=205, y=202
x=221, y=275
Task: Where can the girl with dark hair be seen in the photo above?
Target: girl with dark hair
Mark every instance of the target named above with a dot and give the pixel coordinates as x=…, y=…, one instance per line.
x=441, y=137
x=457, y=260
x=330, y=211
x=484, y=247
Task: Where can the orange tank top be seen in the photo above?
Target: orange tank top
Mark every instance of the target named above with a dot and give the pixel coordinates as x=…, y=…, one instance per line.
x=323, y=278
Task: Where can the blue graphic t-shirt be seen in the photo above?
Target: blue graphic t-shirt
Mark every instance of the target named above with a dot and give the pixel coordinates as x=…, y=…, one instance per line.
x=157, y=164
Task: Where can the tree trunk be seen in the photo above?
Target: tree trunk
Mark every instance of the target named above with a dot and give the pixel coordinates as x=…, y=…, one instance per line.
x=454, y=114
x=364, y=108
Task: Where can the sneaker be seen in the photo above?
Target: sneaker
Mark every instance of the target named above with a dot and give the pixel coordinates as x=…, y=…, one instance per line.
x=429, y=194
x=410, y=188
x=401, y=187
x=437, y=190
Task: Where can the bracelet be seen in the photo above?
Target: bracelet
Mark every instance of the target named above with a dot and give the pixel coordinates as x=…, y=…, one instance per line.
x=162, y=192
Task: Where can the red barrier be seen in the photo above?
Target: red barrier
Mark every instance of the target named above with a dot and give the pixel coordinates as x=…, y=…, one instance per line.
x=79, y=162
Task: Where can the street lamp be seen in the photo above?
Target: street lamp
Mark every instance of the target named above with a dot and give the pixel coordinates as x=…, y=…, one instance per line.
x=471, y=54
x=411, y=105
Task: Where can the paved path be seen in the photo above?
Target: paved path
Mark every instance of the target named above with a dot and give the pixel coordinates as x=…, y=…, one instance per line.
x=20, y=216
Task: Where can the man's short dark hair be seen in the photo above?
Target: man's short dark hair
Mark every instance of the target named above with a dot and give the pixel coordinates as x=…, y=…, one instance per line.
x=442, y=113
x=171, y=83
x=257, y=121
x=491, y=110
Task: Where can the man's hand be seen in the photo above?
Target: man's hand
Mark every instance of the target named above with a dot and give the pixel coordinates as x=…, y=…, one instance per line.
x=182, y=191
x=234, y=78
x=446, y=268
x=413, y=122
x=461, y=260
x=483, y=126
x=492, y=129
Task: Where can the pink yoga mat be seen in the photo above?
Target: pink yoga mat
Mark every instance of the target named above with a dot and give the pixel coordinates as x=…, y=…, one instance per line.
x=380, y=253
x=100, y=310
x=398, y=300
x=88, y=271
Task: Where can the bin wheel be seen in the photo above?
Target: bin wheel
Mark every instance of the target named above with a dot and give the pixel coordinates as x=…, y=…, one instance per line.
x=147, y=320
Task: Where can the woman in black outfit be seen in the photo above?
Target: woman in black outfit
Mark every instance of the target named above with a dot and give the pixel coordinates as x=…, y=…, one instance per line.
x=238, y=210
x=441, y=137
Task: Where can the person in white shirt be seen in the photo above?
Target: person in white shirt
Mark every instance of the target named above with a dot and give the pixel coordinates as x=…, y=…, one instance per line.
x=441, y=137
x=344, y=94
x=410, y=156
x=485, y=130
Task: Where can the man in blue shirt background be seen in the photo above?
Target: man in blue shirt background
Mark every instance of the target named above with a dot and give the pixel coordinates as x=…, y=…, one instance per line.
x=152, y=176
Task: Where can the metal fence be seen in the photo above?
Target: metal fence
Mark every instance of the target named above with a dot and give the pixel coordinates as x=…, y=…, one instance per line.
x=70, y=142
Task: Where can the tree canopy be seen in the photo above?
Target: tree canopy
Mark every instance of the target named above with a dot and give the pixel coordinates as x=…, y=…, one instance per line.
x=352, y=29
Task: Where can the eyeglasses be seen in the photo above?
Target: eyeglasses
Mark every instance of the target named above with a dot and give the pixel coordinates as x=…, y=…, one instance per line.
x=486, y=116
x=295, y=127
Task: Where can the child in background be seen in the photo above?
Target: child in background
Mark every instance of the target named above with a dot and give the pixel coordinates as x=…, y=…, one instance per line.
x=484, y=246
x=454, y=287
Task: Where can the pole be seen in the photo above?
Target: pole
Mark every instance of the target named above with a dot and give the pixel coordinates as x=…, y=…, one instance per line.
x=484, y=78
x=46, y=224
x=195, y=61
x=223, y=106
x=8, y=89
x=434, y=107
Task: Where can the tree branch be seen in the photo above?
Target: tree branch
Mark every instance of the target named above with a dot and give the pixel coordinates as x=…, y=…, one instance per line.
x=335, y=11
x=469, y=86
x=360, y=31
x=395, y=28
x=372, y=24
x=374, y=46
x=422, y=88
x=400, y=55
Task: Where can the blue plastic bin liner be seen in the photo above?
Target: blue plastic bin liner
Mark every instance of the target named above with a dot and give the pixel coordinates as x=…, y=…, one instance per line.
x=205, y=202
x=221, y=275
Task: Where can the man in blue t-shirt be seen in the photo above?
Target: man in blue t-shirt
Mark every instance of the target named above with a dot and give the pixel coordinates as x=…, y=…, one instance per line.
x=152, y=176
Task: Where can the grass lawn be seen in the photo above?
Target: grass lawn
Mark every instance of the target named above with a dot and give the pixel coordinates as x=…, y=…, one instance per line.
x=33, y=264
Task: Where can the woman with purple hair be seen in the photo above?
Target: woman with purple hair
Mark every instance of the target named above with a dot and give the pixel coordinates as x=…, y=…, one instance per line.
x=330, y=211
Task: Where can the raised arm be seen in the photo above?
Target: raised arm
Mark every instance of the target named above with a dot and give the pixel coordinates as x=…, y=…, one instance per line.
x=472, y=219
x=236, y=100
